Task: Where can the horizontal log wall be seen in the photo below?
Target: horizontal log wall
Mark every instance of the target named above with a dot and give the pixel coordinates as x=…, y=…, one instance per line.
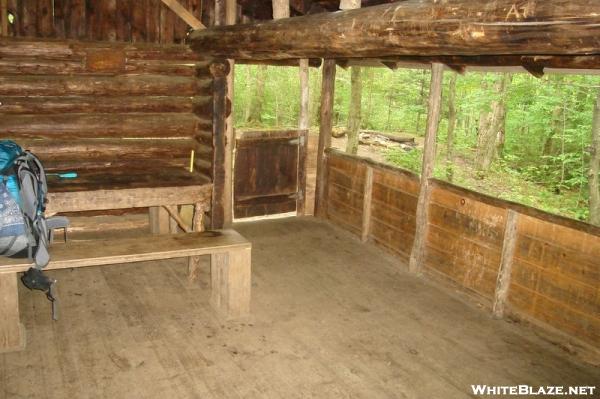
x=554, y=269
x=107, y=20
x=112, y=112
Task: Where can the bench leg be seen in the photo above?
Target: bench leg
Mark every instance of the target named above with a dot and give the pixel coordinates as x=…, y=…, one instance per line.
x=197, y=225
x=230, y=283
x=193, y=268
x=198, y=219
x=159, y=220
x=12, y=333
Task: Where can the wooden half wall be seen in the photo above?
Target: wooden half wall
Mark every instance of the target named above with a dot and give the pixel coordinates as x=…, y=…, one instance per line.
x=551, y=270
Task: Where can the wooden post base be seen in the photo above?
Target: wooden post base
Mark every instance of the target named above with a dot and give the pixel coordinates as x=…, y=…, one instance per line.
x=12, y=332
x=230, y=283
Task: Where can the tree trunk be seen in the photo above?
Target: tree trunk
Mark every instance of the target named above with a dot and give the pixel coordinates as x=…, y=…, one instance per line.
x=370, y=99
x=594, y=182
x=421, y=102
x=389, y=107
x=556, y=124
x=491, y=127
x=451, y=127
x=354, y=111
x=257, y=100
x=316, y=99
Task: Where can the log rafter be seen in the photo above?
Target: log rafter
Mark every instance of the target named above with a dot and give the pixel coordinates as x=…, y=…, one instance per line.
x=417, y=28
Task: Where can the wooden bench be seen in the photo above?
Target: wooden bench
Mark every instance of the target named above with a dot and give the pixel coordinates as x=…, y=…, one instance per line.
x=94, y=192
x=230, y=270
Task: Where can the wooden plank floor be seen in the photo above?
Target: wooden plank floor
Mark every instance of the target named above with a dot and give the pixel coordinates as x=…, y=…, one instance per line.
x=332, y=318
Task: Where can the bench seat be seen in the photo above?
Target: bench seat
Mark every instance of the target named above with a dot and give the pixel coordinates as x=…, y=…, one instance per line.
x=92, y=191
x=128, y=177
x=230, y=269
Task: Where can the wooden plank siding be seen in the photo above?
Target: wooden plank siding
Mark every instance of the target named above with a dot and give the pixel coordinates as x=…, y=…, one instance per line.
x=556, y=277
x=555, y=268
x=105, y=20
x=344, y=197
x=465, y=240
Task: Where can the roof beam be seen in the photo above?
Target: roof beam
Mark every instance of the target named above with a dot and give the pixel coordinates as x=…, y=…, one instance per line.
x=417, y=28
x=184, y=14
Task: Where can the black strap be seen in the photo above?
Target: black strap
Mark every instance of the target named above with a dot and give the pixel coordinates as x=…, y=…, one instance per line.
x=9, y=246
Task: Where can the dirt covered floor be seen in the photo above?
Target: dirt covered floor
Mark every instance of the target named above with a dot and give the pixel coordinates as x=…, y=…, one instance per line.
x=332, y=318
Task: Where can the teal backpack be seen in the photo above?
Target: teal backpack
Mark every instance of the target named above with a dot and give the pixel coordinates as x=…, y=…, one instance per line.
x=24, y=230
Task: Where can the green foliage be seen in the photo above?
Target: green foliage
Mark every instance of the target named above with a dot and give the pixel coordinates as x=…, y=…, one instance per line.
x=410, y=160
x=545, y=157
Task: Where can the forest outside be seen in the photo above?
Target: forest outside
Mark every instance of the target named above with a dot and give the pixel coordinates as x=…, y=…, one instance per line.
x=509, y=135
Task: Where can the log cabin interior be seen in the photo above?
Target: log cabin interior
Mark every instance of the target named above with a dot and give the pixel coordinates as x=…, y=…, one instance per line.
x=396, y=286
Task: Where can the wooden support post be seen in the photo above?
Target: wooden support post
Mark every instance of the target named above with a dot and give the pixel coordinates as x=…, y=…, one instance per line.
x=198, y=218
x=4, y=17
x=327, y=94
x=184, y=14
x=508, y=251
x=433, y=120
x=302, y=156
x=230, y=275
x=12, y=332
x=281, y=9
x=223, y=132
x=367, y=195
x=230, y=19
x=219, y=70
x=304, y=117
x=197, y=225
x=304, y=125
x=159, y=220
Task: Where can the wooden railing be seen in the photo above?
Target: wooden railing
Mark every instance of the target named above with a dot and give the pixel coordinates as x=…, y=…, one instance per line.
x=521, y=261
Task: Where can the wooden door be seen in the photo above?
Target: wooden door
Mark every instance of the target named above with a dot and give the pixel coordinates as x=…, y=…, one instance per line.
x=269, y=172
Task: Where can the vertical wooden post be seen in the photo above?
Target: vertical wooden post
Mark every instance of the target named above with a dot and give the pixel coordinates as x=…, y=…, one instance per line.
x=197, y=225
x=304, y=125
x=508, y=251
x=11, y=331
x=367, y=195
x=159, y=220
x=230, y=275
x=304, y=117
x=198, y=217
x=281, y=9
x=219, y=70
x=230, y=19
x=302, y=156
x=223, y=132
x=327, y=94
x=433, y=120
x=4, y=17
x=349, y=4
